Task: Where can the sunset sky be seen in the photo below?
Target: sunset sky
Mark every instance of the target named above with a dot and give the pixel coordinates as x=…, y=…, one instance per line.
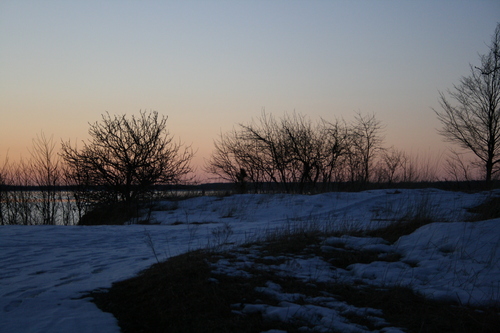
x=209, y=65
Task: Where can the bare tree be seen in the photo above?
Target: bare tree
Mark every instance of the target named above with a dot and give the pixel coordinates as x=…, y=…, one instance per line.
x=272, y=153
x=473, y=122
x=304, y=146
x=228, y=158
x=128, y=156
x=235, y=160
x=457, y=167
x=79, y=188
x=365, y=143
x=19, y=203
x=292, y=152
x=3, y=191
x=334, y=137
x=391, y=165
x=256, y=150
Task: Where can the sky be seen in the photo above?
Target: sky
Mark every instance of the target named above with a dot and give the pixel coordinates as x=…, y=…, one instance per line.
x=209, y=65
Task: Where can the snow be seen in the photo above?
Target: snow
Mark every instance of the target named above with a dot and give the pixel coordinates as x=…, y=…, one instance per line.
x=46, y=270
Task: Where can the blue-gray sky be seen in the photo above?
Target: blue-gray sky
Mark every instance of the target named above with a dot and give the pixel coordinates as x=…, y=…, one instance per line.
x=209, y=65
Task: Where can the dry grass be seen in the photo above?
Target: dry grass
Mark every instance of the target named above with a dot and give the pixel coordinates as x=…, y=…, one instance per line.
x=179, y=296
x=394, y=231
x=182, y=294
x=404, y=308
x=490, y=209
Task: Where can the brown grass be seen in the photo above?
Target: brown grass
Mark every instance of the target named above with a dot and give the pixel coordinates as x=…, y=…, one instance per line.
x=183, y=295
x=404, y=308
x=490, y=209
x=395, y=230
x=178, y=296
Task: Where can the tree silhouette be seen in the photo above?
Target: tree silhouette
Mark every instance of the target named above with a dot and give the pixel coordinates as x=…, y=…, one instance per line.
x=473, y=122
x=127, y=156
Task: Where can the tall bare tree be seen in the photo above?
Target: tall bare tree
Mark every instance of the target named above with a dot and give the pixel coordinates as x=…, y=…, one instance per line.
x=128, y=156
x=365, y=143
x=391, y=165
x=334, y=138
x=473, y=121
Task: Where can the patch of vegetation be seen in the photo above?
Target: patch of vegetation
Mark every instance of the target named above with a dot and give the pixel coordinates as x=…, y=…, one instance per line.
x=277, y=244
x=342, y=258
x=490, y=209
x=183, y=294
x=109, y=214
x=395, y=230
x=402, y=307
x=179, y=295
x=406, y=220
